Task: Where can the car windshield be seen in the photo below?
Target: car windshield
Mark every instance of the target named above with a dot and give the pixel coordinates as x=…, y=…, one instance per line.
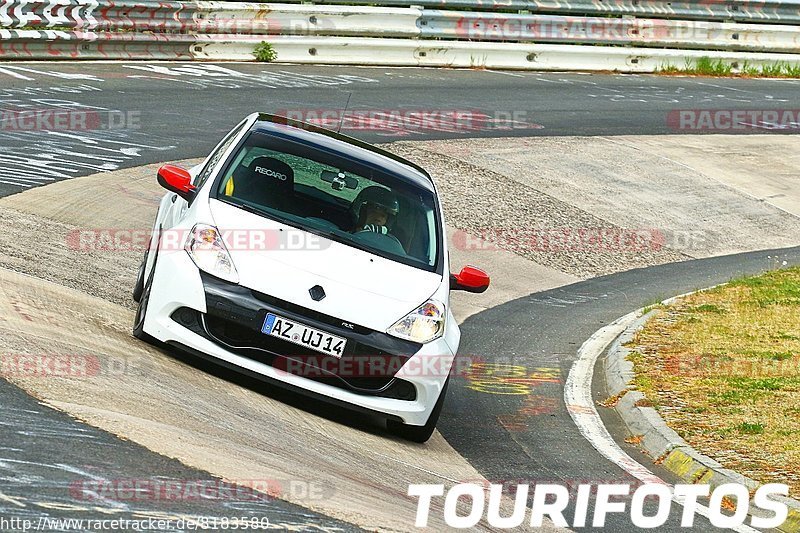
x=343, y=199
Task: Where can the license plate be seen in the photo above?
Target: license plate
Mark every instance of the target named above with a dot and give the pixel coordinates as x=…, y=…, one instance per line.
x=298, y=333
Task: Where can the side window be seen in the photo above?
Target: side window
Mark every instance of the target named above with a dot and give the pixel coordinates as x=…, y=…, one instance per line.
x=216, y=156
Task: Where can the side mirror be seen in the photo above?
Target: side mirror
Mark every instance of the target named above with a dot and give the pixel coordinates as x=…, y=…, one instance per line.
x=470, y=279
x=177, y=180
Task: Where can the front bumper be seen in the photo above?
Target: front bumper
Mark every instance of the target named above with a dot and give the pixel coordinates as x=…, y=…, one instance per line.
x=222, y=321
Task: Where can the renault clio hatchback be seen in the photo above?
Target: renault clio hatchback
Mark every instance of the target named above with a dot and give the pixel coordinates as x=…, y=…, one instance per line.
x=314, y=261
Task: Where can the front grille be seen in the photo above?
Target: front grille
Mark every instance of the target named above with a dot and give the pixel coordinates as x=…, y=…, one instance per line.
x=372, y=370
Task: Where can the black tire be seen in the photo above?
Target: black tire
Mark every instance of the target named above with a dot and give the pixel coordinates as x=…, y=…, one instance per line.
x=138, y=288
x=420, y=433
x=144, y=298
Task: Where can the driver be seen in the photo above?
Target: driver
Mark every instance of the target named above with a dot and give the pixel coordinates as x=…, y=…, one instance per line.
x=377, y=211
x=376, y=219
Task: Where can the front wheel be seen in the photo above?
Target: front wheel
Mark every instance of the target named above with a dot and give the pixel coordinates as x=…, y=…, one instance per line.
x=420, y=433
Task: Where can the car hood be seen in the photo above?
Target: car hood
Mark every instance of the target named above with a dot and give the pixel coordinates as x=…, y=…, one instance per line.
x=360, y=287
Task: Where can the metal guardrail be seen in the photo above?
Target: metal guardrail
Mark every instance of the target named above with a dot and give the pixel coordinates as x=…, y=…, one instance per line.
x=757, y=11
x=185, y=30
x=208, y=17
x=230, y=18
x=49, y=44
x=289, y=19
x=616, y=31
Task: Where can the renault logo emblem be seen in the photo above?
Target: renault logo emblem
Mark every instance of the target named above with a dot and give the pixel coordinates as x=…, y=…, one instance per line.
x=317, y=293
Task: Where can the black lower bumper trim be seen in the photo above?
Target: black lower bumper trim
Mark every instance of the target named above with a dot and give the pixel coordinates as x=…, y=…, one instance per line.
x=281, y=384
x=234, y=319
x=384, y=387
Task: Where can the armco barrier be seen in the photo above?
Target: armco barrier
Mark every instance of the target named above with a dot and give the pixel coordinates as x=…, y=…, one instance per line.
x=288, y=19
x=49, y=44
x=34, y=44
x=347, y=34
x=621, y=31
x=209, y=17
x=499, y=55
x=764, y=11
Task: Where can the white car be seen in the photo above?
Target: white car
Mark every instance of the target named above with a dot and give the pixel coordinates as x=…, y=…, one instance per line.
x=311, y=260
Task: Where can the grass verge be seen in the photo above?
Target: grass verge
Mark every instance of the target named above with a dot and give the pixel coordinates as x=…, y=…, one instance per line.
x=722, y=367
x=705, y=66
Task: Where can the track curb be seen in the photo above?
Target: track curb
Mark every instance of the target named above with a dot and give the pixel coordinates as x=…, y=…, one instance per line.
x=661, y=442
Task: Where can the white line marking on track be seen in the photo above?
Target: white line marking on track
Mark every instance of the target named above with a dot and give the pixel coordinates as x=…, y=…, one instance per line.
x=578, y=397
x=15, y=74
x=15, y=184
x=12, y=500
x=513, y=74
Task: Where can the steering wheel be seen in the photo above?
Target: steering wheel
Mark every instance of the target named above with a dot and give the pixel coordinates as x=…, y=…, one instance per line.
x=387, y=242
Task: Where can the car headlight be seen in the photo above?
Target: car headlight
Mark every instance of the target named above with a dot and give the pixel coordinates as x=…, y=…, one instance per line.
x=423, y=324
x=209, y=253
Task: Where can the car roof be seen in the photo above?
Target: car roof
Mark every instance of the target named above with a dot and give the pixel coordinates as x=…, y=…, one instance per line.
x=343, y=145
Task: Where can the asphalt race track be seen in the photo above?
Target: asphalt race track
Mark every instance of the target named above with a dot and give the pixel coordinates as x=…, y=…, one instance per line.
x=143, y=113
x=147, y=113
x=63, y=457
x=543, y=331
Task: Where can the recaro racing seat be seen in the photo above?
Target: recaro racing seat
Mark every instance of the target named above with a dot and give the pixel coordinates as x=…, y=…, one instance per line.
x=267, y=181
